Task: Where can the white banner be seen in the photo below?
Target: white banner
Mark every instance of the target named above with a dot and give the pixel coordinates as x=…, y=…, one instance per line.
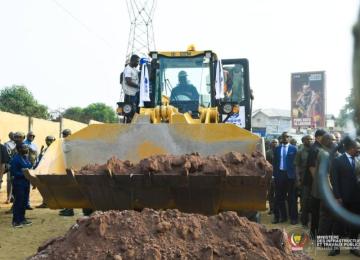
x=237, y=119
x=219, y=80
x=144, y=86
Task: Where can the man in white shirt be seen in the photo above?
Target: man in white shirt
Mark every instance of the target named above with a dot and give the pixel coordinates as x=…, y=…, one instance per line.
x=131, y=81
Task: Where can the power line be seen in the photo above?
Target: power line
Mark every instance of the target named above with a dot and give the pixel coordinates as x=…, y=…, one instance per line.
x=83, y=24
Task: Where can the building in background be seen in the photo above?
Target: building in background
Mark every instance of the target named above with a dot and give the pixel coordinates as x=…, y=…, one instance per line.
x=269, y=121
x=308, y=101
x=330, y=122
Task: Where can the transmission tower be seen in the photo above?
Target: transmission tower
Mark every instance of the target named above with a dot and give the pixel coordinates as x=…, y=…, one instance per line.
x=141, y=37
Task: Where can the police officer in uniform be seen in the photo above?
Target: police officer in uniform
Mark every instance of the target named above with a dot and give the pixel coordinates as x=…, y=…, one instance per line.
x=20, y=185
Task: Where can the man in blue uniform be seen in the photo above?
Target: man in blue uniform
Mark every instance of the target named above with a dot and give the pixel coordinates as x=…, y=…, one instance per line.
x=20, y=184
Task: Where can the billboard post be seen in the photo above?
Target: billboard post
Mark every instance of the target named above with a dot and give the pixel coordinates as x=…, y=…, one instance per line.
x=308, y=99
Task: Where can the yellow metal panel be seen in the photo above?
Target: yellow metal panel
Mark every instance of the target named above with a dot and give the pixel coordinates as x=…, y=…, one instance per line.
x=104, y=132
x=12, y=122
x=74, y=126
x=181, y=53
x=53, y=161
x=215, y=132
x=43, y=128
x=148, y=148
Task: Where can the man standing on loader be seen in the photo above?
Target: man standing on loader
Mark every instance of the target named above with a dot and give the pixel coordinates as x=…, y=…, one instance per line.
x=130, y=82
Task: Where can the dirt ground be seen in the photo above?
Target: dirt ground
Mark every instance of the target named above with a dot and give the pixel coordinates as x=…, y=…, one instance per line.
x=24, y=242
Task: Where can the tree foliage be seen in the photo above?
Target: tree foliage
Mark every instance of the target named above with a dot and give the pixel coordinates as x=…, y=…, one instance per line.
x=73, y=113
x=96, y=111
x=19, y=100
x=347, y=112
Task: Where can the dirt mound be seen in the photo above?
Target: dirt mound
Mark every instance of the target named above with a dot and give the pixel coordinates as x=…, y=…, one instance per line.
x=166, y=234
x=232, y=163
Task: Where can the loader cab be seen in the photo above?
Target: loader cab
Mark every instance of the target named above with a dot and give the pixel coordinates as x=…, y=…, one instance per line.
x=184, y=78
x=187, y=79
x=237, y=93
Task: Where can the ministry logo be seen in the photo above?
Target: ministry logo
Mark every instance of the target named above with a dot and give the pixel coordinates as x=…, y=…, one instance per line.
x=298, y=239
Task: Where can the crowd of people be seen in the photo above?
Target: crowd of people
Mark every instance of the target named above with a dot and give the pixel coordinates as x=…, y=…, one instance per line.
x=19, y=153
x=294, y=194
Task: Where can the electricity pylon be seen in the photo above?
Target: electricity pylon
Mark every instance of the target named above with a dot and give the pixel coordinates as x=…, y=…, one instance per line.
x=141, y=37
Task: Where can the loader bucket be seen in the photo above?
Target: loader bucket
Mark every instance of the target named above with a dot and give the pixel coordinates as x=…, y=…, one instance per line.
x=95, y=144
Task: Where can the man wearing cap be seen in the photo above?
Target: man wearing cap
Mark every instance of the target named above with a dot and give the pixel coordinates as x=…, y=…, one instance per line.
x=4, y=159
x=33, y=150
x=70, y=212
x=131, y=81
x=183, y=90
x=33, y=156
x=66, y=212
x=20, y=185
x=15, y=138
x=48, y=140
x=66, y=132
x=19, y=138
x=11, y=149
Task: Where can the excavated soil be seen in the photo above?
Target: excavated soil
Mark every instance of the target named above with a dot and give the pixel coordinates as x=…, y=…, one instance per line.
x=167, y=234
x=232, y=163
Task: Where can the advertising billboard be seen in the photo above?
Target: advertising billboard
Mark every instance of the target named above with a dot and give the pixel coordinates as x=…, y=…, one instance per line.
x=308, y=99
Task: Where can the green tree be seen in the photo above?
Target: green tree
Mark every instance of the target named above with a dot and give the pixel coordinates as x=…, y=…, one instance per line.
x=19, y=100
x=99, y=112
x=96, y=111
x=74, y=113
x=347, y=111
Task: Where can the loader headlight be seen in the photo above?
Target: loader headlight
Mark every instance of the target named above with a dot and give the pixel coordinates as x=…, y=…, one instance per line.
x=227, y=108
x=127, y=108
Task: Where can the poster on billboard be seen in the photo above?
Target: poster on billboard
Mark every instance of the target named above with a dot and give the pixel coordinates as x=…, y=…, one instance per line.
x=308, y=99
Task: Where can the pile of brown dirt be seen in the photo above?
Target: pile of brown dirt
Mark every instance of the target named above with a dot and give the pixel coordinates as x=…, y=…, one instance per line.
x=166, y=234
x=232, y=163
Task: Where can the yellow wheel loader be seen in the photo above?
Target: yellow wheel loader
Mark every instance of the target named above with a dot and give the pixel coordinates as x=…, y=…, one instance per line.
x=209, y=112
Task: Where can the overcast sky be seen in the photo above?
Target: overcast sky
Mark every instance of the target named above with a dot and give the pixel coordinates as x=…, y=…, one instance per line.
x=73, y=56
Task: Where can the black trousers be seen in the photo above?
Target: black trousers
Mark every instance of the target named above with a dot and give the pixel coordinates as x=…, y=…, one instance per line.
x=271, y=196
x=132, y=99
x=285, y=190
x=315, y=216
x=306, y=204
x=326, y=221
x=354, y=207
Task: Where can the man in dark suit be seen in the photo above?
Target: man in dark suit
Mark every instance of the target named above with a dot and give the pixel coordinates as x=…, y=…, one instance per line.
x=285, y=179
x=346, y=186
